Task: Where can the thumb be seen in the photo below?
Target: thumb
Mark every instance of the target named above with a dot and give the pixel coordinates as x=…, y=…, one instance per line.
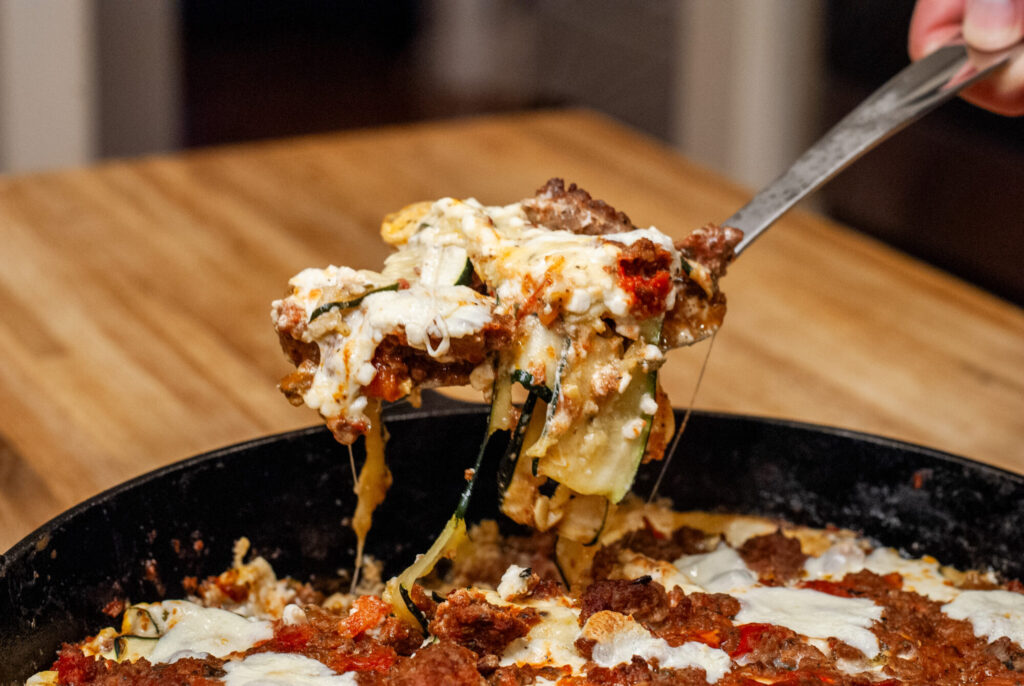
x=993, y=24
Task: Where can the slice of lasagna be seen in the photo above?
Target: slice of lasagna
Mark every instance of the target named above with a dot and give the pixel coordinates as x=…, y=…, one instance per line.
x=559, y=293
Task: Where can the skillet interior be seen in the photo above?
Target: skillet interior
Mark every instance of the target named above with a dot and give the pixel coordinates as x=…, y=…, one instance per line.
x=291, y=493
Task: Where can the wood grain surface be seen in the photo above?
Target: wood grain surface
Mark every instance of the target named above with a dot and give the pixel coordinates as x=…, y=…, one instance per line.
x=135, y=298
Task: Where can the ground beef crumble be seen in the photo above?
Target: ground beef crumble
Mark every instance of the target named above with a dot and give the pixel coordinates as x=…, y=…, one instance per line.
x=775, y=557
x=702, y=617
x=711, y=245
x=467, y=619
x=76, y=669
x=572, y=209
x=643, y=599
x=440, y=663
x=653, y=544
x=639, y=672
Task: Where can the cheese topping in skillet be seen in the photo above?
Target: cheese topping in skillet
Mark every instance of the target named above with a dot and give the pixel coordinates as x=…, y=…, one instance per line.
x=491, y=619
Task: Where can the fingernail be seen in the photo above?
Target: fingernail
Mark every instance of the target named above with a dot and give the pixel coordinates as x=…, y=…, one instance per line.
x=993, y=24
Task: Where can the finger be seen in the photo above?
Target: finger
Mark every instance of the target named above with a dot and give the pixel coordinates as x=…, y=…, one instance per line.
x=1003, y=92
x=934, y=23
x=993, y=24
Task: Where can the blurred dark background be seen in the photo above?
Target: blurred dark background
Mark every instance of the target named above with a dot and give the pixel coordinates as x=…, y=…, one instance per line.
x=949, y=189
x=740, y=87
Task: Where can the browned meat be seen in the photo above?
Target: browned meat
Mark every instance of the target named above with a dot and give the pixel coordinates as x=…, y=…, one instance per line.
x=844, y=651
x=75, y=669
x=400, y=368
x=344, y=643
x=439, y=663
x=467, y=619
x=683, y=541
x=1007, y=652
x=639, y=673
x=537, y=587
x=495, y=553
x=711, y=245
x=521, y=675
x=700, y=307
x=775, y=557
x=642, y=598
x=927, y=647
x=290, y=325
x=694, y=317
x=703, y=617
x=769, y=648
x=397, y=363
x=572, y=209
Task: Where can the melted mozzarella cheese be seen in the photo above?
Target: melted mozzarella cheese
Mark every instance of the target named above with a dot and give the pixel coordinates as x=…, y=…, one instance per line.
x=720, y=571
x=313, y=286
x=283, y=669
x=993, y=614
x=738, y=530
x=550, y=643
x=811, y=613
x=921, y=576
x=619, y=638
x=636, y=565
x=843, y=558
x=192, y=629
x=579, y=271
x=422, y=314
x=443, y=312
x=519, y=261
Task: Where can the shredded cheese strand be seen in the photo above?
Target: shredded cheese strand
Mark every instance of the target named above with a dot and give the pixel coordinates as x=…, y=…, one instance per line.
x=372, y=486
x=682, y=425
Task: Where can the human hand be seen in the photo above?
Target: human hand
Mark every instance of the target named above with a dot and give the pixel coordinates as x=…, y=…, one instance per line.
x=987, y=26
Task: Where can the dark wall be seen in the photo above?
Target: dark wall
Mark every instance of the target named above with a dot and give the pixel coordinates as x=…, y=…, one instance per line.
x=949, y=189
x=265, y=69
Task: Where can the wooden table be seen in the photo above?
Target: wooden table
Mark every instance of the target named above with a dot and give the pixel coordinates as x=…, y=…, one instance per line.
x=135, y=298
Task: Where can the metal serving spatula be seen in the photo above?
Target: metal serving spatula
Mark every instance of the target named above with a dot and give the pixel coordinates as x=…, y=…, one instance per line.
x=912, y=93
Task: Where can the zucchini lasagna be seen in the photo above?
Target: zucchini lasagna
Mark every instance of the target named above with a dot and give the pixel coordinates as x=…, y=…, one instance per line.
x=559, y=294
x=663, y=598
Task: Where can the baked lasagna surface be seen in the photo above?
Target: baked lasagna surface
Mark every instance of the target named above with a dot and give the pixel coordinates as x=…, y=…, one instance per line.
x=559, y=295
x=663, y=598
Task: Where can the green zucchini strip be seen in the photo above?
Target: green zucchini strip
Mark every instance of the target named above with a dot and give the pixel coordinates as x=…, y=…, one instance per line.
x=466, y=277
x=594, y=457
x=128, y=645
x=346, y=304
x=525, y=379
x=396, y=591
x=507, y=465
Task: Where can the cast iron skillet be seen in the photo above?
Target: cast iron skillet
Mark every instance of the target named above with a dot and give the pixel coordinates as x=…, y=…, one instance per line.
x=291, y=493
